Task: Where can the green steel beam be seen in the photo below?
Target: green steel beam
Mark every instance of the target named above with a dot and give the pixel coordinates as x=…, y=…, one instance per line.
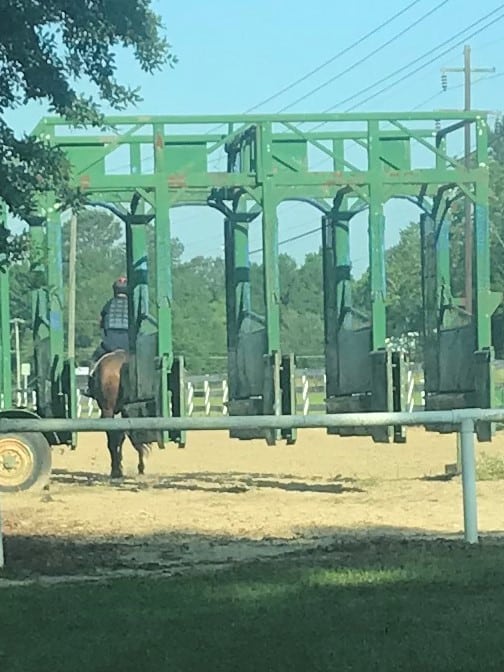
x=76, y=141
x=376, y=237
x=164, y=284
x=325, y=181
x=116, y=120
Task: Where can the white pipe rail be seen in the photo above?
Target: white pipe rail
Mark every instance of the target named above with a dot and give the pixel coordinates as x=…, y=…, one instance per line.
x=463, y=419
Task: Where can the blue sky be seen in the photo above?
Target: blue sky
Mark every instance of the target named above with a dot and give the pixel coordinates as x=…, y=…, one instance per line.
x=233, y=55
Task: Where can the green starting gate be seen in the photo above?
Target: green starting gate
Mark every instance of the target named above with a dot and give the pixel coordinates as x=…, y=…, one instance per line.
x=370, y=159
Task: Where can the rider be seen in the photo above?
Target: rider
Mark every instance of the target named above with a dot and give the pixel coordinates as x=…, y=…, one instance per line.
x=114, y=326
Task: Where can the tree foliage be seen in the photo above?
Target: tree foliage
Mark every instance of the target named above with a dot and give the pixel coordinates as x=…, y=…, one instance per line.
x=46, y=49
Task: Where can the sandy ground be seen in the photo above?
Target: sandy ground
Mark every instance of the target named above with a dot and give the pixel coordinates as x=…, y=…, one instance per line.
x=219, y=501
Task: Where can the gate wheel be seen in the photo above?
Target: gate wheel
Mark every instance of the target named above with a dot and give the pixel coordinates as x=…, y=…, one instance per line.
x=25, y=462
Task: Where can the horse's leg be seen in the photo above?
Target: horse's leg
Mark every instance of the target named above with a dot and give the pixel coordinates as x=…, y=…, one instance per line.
x=114, y=441
x=114, y=445
x=140, y=448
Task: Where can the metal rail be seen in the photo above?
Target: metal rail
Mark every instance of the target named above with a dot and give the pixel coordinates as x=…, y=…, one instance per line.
x=464, y=419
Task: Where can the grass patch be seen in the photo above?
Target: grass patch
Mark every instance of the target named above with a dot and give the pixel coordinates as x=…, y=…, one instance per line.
x=490, y=468
x=363, y=606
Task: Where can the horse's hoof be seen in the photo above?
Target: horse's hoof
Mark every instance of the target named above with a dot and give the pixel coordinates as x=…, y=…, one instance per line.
x=116, y=477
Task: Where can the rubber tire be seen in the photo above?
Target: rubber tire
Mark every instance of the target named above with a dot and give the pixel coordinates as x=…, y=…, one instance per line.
x=41, y=453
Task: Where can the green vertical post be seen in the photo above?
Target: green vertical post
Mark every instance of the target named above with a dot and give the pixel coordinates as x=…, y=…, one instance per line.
x=430, y=303
x=483, y=301
x=164, y=284
x=237, y=268
x=336, y=289
x=40, y=315
x=376, y=234
x=270, y=246
x=55, y=287
x=138, y=269
x=5, y=340
x=443, y=253
x=272, y=397
x=271, y=283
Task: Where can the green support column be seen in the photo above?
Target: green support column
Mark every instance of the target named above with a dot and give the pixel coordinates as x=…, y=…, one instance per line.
x=56, y=299
x=376, y=233
x=40, y=316
x=5, y=340
x=430, y=304
x=381, y=362
x=377, y=271
x=337, y=291
x=485, y=303
x=237, y=268
x=138, y=278
x=272, y=397
x=164, y=284
x=270, y=265
x=138, y=262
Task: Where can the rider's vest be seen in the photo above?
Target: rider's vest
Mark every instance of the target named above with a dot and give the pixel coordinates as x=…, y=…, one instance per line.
x=116, y=315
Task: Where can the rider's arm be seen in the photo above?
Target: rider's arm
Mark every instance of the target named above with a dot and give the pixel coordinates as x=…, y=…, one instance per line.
x=103, y=315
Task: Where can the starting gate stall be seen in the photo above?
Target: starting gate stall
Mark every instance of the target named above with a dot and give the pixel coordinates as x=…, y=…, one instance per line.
x=268, y=162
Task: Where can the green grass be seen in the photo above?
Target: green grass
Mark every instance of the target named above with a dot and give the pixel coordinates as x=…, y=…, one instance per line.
x=490, y=468
x=399, y=606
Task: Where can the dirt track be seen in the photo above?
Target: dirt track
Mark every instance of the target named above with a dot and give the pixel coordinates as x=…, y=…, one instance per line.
x=220, y=500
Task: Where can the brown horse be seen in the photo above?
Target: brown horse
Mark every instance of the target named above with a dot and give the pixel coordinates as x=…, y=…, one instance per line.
x=107, y=391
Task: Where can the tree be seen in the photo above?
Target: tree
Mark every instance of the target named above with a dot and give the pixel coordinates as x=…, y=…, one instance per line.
x=45, y=49
x=100, y=260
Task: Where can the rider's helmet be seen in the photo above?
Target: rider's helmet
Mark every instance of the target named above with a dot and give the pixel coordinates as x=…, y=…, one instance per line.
x=120, y=286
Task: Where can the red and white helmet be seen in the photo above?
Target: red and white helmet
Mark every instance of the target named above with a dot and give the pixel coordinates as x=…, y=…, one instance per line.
x=120, y=286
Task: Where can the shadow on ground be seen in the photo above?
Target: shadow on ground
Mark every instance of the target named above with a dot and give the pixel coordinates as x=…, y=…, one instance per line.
x=228, y=482
x=375, y=603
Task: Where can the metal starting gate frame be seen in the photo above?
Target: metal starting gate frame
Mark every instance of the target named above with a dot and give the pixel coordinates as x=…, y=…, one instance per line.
x=269, y=161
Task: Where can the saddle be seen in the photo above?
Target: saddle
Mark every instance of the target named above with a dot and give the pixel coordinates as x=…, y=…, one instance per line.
x=100, y=359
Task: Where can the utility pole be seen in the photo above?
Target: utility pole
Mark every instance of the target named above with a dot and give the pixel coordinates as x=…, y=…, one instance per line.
x=468, y=229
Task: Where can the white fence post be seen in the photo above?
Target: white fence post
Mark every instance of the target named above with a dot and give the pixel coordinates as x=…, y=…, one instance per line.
x=225, y=396
x=190, y=398
x=411, y=391
x=305, y=395
x=206, y=391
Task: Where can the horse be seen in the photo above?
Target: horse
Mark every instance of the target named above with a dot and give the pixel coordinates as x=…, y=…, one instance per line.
x=107, y=391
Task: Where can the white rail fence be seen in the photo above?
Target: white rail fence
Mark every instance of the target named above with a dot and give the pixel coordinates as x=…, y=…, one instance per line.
x=208, y=394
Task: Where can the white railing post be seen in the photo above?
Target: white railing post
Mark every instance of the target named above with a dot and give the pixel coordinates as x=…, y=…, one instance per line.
x=305, y=395
x=206, y=399
x=469, y=496
x=411, y=391
x=190, y=398
x=225, y=397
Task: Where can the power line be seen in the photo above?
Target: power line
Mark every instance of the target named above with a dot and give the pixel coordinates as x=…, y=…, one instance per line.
x=365, y=58
x=332, y=59
x=289, y=240
x=414, y=61
x=432, y=60
x=453, y=88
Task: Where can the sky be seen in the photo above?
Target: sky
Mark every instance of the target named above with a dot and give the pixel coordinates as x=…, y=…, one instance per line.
x=233, y=55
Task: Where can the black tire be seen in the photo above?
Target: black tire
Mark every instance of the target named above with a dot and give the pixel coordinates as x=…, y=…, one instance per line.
x=25, y=462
